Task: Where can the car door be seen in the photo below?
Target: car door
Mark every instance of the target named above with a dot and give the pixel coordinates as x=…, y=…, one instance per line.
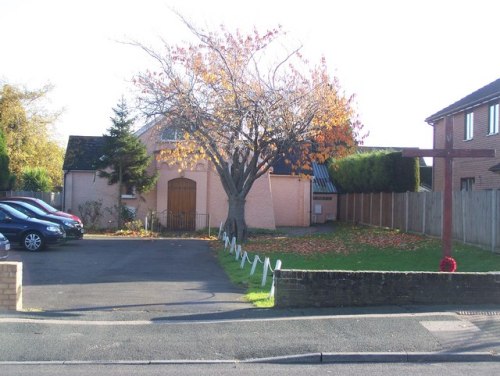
x=8, y=226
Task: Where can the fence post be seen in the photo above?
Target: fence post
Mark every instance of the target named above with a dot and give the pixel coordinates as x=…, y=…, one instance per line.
x=424, y=208
x=354, y=209
x=362, y=208
x=146, y=223
x=220, y=231
x=493, y=219
x=233, y=245
x=347, y=207
x=392, y=210
x=371, y=210
x=254, y=265
x=264, y=271
x=380, y=207
x=238, y=251
x=462, y=200
x=277, y=267
x=407, y=215
x=243, y=259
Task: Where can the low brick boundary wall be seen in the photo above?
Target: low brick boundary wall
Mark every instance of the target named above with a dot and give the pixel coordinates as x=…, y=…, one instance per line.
x=324, y=288
x=11, y=277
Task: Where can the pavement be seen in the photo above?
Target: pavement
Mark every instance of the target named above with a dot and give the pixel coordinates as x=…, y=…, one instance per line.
x=142, y=301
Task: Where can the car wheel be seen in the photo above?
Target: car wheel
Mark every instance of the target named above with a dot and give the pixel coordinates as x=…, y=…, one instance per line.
x=33, y=241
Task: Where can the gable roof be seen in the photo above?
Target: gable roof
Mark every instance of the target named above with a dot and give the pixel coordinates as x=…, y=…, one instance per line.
x=485, y=94
x=82, y=152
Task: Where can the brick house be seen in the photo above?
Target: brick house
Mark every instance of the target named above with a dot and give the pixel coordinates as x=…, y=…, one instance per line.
x=276, y=199
x=475, y=126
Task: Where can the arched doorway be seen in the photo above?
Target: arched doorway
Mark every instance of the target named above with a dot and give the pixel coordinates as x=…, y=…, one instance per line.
x=181, y=204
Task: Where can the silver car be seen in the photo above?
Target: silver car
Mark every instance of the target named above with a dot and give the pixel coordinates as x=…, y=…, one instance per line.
x=4, y=247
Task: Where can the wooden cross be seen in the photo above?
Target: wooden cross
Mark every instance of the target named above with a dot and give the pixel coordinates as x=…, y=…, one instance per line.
x=448, y=153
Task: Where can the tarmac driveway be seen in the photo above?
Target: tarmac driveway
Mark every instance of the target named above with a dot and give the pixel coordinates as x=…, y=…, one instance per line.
x=178, y=276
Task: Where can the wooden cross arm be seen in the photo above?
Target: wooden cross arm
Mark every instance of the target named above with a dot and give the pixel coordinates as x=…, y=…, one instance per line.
x=453, y=153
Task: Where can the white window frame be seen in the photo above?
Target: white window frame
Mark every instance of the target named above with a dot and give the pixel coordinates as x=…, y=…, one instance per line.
x=469, y=126
x=493, y=118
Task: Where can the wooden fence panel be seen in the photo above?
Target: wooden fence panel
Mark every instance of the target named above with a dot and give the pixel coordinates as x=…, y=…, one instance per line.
x=387, y=210
x=476, y=214
x=415, y=212
x=433, y=213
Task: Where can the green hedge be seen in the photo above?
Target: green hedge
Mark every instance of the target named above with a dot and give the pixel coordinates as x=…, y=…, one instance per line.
x=375, y=172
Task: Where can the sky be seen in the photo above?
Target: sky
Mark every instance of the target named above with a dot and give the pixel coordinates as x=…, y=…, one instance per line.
x=403, y=60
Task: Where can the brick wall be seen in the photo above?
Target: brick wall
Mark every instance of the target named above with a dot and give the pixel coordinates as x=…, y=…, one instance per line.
x=11, y=276
x=476, y=168
x=303, y=288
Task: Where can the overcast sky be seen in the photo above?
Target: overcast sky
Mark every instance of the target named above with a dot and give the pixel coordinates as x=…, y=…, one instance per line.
x=404, y=60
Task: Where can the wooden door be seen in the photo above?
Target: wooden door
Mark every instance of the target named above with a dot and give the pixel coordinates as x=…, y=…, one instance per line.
x=181, y=204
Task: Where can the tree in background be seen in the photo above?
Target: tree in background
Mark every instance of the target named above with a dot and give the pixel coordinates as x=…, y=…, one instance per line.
x=35, y=179
x=243, y=109
x=125, y=160
x=27, y=131
x=5, y=176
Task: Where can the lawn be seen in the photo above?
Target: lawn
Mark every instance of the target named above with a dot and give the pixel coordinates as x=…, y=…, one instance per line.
x=349, y=248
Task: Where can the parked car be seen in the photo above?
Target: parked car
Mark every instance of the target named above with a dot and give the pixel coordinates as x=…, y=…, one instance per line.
x=4, y=247
x=42, y=205
x=33, y=234
x=73, y=229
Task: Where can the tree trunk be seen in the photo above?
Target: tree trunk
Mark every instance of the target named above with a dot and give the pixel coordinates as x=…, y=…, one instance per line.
x=235, y=222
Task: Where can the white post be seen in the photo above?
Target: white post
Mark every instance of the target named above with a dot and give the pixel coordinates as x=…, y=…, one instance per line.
x=226, y=243
x=224, y=236
x=277, y=267
x=238, y=251
x=254, y=265
x=233, y=245
x=243, y=259
x=220, y=231
x=264, y=271
x=146, y=223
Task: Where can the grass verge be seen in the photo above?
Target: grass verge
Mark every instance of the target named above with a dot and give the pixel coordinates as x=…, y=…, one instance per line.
x=348, y=248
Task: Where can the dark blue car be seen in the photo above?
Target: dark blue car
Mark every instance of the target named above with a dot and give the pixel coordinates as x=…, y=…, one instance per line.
x=73, y=229
x=33, y=234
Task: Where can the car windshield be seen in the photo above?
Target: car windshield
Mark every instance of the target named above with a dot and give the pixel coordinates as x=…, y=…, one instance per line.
x=27, y=209
x=13, y=212
x=46, y=206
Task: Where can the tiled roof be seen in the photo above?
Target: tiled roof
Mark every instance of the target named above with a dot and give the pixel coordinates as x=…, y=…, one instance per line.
x=485, y=94
x=82, y=152
x=322, y=182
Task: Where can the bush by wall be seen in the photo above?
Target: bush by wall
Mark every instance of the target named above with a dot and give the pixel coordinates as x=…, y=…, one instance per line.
x=380, y=171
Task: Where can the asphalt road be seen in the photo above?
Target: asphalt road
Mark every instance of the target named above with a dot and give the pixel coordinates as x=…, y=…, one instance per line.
x=115, y=300
x=445, y=369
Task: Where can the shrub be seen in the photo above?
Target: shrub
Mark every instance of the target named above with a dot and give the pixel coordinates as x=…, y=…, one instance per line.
x=375, y=172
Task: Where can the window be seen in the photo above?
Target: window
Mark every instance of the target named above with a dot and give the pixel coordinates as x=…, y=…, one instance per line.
x=467, y=184
x=493, y=119
x=469, y=126
x=128, y=192
x=172, y=133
